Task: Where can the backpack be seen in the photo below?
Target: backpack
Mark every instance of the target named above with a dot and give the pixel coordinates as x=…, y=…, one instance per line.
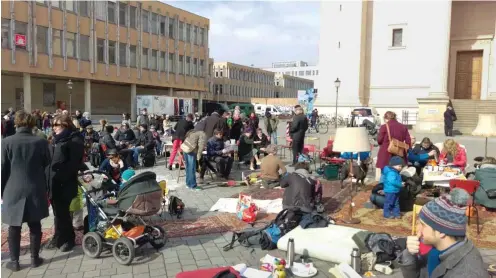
x=285, y=221
x=176, y=206
x=149, y=159
x=383, y=246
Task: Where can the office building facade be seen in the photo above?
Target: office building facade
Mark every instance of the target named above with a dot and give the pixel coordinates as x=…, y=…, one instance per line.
x=110, y=50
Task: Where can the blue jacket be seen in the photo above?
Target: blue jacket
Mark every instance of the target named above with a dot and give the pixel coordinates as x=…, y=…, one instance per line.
x=420, y=158
x=214, y=147
x=391, y=179
x=363, y=155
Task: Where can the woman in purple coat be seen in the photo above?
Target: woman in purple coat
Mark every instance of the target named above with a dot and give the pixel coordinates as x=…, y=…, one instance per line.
x=397, y=131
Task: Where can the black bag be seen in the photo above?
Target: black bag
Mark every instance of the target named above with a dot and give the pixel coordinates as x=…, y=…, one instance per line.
x=149, y=159
x=383, y=246
x=285, y=221
x=491, y=193
x=176, y=206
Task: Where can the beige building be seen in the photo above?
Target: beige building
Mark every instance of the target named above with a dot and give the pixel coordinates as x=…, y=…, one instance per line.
x=238, y=83
x=112, y=51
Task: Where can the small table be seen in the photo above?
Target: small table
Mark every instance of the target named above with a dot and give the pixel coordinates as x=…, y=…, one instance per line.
x=441, y=180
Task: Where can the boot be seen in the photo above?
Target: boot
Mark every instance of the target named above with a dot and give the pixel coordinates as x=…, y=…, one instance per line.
x=35, y=244
x=14, y=240
x=52, y=244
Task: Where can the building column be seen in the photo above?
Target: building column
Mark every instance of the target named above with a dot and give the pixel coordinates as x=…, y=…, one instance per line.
x=170, y=92
x=430, y=117
x=133, y=102
x=200, y=103
x=87, y=95
x=26, y=84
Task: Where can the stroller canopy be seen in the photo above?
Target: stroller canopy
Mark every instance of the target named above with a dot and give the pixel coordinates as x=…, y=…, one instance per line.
x=141, y=195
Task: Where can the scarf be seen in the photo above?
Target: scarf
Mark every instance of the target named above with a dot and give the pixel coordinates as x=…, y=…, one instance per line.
x=118, y=165
x=433, y=259
x=64, y=134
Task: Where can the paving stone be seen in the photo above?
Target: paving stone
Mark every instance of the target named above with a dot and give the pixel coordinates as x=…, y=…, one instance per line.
x=109, y=271
x=92, y=261
x=184, y=252
x=172, y=267
x=37, y=271
x=171, y=260
x=88, y=267
x=90, y=274
x=56, y=265
x=218, y=260
x=202, y=263
x=121, y=269
x=125, y=275
x=156, y=266
x=54, y=271
x=157, y=272
x=141, y=275
x=137, y=269
x=54, y=276
x=74, y=275
x=188, y=262
x=71, y=269
x=189, y=267
x=173, y=273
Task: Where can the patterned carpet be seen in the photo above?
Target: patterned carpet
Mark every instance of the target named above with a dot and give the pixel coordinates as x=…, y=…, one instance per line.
x=373, y=220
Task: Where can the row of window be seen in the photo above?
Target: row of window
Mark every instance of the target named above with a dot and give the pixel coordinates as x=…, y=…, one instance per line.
x=151, y=58
x=244, y=91
x=244, y=75
x=301, y=73
x=151, y=22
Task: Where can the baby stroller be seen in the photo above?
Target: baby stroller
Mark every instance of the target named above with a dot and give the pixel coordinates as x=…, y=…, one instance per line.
x=120, y=226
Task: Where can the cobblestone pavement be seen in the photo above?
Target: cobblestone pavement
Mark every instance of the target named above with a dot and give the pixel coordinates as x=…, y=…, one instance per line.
x=181, y=254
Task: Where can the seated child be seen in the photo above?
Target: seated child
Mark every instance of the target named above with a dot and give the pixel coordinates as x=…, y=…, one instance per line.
x=272, y=167
x=114, y=166
x=393, y=183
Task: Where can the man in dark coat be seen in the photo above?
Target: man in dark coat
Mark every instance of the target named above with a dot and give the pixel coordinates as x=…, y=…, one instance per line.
x=145, y=143
x=449, y=118
x=213, y=122
x=67, y=151
x=24, y=187
x=297, y=132
x=300, y=189
x=397, y=131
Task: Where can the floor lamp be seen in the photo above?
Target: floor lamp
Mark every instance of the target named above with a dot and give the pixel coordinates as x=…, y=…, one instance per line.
x=354, y=140
x=486, y=127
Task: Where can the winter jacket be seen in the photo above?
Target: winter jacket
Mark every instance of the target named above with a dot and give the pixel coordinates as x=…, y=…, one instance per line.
x=449, y=118
x=253, y=123
x=463, y=260
x=146, y=140
x=108, y=141
x=182, y=127
x=214, y=147
x=67, y=156
x=271, y=124
x=420, y=158
x=487, y=177
x=298, y=127
x=264, y=141
x=125, y=136
x=399, y=132
x=245, y=148
x=299, y=190
x=212, y=122
x=24, y=184
x=196, y=141
x=391, y=179
x=235, y=132
x=142, y=119
x=460, y=159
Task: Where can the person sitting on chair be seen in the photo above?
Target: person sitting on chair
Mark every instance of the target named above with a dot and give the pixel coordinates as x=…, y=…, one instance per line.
x=272, y=168
x=217, y=153
x=145, y=143
x=260, y=142
x=246, y=151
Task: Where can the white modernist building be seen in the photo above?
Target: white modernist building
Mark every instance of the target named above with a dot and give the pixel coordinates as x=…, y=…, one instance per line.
x=397, y=55
x=299, y=69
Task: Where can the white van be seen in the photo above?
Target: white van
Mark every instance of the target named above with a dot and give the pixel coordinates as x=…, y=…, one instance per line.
x=260, y=109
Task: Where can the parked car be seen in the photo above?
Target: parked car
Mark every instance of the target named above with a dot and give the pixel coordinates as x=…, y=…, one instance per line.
x=369, y=113
x=260, y=109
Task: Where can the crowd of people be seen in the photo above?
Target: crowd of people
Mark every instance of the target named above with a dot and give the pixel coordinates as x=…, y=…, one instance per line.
x=55, y=146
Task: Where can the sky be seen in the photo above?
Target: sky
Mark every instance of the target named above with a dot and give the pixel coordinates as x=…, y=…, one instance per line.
x=259, y=32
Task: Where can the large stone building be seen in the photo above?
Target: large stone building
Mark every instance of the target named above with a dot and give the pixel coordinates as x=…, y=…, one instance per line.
x=237, y=83
x=409, y=55
x=110, y=50
x=296, y=68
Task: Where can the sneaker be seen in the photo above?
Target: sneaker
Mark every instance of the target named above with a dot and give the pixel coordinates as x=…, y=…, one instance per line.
x=383, y=269
x=388, y=217
x=13, y=266
x=397, y=217
x=252, y=168
x=67, y=247
x=197, y=188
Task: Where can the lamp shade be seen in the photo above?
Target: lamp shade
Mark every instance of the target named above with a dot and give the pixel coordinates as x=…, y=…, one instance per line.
x=351, y=139
x=486, y=127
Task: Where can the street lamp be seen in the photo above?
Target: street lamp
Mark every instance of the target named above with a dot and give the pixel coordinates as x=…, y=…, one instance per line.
x=69, y=87
x=337, y=84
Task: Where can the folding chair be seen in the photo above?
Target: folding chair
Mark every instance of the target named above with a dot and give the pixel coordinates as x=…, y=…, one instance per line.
x=471, y=187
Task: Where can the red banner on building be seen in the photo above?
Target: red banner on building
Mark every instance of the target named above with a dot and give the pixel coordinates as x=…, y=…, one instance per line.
x=20, y=40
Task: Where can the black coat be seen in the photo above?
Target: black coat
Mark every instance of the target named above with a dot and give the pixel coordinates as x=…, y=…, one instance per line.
x=298, y=127
x=182, y=127
x=299, y=190
x=24, y=185
x=62, y=174
x=146, y=140
x=108, y=141
x=449, y=118
x=212, y=122
x=126, y=136
x=235, y=132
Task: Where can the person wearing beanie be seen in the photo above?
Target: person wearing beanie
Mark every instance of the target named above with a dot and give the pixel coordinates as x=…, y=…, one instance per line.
x=442, y=226
x=126, y=176
x=391, y=179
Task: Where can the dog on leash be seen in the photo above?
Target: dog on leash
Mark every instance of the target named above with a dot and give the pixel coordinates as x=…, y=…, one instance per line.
x=359, y=171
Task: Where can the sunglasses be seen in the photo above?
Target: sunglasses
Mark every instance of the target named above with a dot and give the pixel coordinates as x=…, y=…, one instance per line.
x=54, y=125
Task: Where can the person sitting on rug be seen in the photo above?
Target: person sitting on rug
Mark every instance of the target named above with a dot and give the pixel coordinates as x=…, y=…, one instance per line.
x=246, y=151
x=442, y=225
x=486, y=174
x=393, y=183
x=419, y=154
x=453, y=154
x=272, y=168
x=113, y=166
x=301, y=190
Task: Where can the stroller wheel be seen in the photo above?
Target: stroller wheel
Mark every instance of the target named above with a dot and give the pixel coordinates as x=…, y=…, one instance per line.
x=92, y=244
x=158, y=238
x=123, y=251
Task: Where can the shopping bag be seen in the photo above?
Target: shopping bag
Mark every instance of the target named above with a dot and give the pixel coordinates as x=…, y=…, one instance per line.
x=245, y=204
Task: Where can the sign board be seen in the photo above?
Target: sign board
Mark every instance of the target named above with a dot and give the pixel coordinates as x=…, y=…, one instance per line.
x=432, y=111
x=20, y=40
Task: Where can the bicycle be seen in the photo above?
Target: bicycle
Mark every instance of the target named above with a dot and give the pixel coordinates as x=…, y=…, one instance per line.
x=340, y=120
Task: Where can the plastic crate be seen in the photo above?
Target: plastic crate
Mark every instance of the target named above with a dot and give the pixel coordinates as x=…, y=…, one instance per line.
x=331, y=171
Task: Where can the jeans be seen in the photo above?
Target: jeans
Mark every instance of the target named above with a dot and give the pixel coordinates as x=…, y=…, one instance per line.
x=378, y=200
x=136, y=153
x=273, y=138
x=175, y=147
x=158, y=147
x=47, y=131
x=190, y=161
x=392, y=205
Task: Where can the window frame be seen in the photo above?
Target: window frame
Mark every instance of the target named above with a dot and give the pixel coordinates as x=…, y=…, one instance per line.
x=122, y=21
x=8, y=38
x=83, y=48
x=144, y=21
x=74, y=45
x=59, y=43
x=132, y=62
x=154, y=28
x=112, y=47
x=132, y=14
x=100, y=46
x=111, y=10
x=122, y=51
x=404, y=36
x=154, y=65
x=144, y=58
